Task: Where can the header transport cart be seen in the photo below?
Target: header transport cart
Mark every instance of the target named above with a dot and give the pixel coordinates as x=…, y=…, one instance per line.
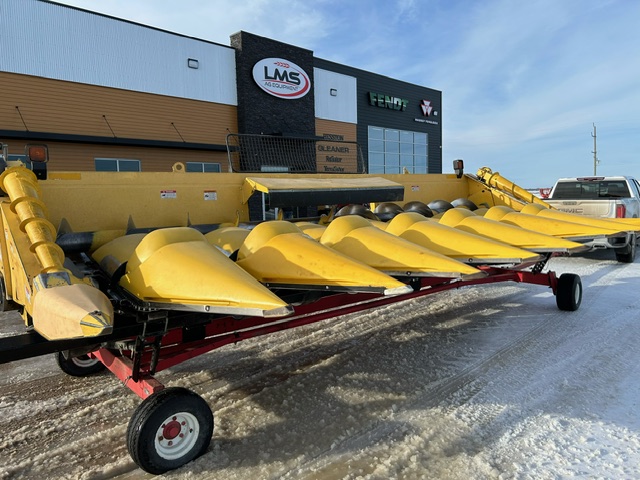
x=148, y=270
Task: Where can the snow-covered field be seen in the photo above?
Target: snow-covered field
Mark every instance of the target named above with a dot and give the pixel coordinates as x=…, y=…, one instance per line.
x=481, y=382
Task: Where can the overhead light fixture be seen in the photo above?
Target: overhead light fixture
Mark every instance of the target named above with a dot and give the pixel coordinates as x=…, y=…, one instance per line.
x=193, y=63
x=333, y=92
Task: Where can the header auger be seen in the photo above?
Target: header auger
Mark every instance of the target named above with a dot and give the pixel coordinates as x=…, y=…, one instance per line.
x=196, y=273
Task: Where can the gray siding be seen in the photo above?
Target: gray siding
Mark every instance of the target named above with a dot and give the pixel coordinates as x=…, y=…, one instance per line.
x=63, y=43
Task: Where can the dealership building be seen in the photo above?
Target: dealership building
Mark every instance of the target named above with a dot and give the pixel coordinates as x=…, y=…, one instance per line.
x=107, y=94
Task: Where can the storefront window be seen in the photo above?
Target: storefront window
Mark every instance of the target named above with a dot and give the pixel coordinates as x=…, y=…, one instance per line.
x=394, y=151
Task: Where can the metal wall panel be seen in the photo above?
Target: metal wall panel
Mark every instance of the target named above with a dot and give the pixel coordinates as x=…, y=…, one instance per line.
x=343, y=105
x=410, y=119
x=59, y=42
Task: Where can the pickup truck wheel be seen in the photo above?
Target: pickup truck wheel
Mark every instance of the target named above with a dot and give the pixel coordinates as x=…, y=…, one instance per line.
x=628, y=253
x=169, y=429
x=569, y=292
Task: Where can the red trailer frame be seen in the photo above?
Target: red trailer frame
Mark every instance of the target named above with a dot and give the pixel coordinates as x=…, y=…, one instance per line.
x=173, y=426
x=135, y=367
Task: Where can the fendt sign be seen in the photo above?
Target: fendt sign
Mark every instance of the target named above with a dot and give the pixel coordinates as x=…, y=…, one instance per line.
x=386, y=101
x=281, y=78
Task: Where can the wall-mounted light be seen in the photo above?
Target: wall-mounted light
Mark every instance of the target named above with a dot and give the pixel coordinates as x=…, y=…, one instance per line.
x=333, y=92
x=193, y=63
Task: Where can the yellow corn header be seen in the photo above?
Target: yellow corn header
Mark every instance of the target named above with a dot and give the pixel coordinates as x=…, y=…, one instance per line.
x=140, y=271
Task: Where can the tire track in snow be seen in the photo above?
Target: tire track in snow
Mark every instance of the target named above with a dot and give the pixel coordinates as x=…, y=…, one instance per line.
x=461, y=388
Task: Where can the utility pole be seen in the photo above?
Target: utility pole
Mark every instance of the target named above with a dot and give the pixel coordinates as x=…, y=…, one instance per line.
x=595, y=151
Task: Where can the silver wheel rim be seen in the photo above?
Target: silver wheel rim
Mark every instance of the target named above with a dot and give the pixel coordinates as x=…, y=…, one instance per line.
x=577, y=293
x=84, y=361
x=177, y=435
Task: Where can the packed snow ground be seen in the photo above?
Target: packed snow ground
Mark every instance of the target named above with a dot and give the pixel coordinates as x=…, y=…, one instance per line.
x=482, y=382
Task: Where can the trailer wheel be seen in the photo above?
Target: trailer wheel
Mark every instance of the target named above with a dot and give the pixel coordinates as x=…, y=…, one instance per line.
x=628, y=253
x=569, y=292
x=169, y=429
x=81, y=366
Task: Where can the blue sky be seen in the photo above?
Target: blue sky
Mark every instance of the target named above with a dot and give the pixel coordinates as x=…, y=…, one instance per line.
x=523, y=82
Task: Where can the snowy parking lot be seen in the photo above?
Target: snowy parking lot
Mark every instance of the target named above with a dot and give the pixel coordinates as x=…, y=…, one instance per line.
x=481, y=382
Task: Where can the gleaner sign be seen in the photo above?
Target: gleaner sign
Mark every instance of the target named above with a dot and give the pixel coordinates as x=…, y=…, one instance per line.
x=281, y=78
x=385, y=101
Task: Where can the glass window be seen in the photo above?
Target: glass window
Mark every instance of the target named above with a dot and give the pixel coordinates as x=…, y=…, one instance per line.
x=392, y=159
x=376, y=158
x=117, y=165
x=420, y=138
x=406, y=161
x=128, y=166
x=376, y=133
x=207, y=167
x=392, y=135
x=393, y=151
x=376, y=145
x=406, y=137
x=106, y=165
x=419, y=149
x=406, y=148
x=391, y=147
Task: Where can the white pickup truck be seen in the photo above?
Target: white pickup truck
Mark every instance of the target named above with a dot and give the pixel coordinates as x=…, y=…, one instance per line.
x=600, y=197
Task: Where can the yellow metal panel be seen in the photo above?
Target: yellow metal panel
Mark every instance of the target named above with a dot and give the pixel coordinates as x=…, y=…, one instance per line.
x=314, y=230
x=315, y=183
x=177, y=266
x=541, y=211
x=495, y=180
x=23, y=264
x=115, y=253
x=107, y=200
x=278, y=252
x=511, y=234
x=265, y=184
x=548, y=226
x=455, y=243
x=229, y=239
x=358, y=238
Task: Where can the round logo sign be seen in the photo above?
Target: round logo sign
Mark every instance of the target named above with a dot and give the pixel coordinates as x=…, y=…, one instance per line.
x=281, y=78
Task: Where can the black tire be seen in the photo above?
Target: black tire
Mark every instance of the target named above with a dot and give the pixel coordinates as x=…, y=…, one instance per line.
x=569, y=292
x=169, y=429
x=5, y=304
x=628, y=253
x=81, y=366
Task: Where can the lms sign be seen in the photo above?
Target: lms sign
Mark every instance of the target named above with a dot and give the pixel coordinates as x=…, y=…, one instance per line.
x=281, y=78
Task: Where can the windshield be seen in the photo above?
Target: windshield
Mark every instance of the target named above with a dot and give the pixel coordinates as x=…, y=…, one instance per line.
x=591, y=189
